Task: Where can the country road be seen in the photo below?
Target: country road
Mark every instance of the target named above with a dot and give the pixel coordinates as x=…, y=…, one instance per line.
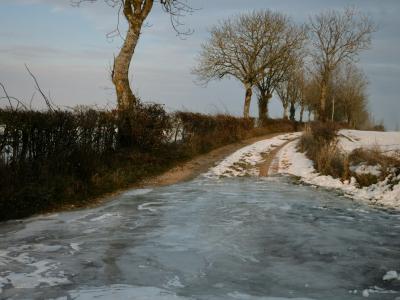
x=232, y=238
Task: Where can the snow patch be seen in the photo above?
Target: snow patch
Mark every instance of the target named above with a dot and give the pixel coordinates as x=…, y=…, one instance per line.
x=350, y=140
x=24, y=271
x=295, y=163
x=75, y=247
x=391, y=275
x=376, y=290
x=105, y=217
x=174, y=282
x=46, y=248
x=3, y=283
x=125, y=292
x=363, y=169
x=237, y=295
x=147, y=206
x=244, y=161
x=137, y=192
x=44, y=274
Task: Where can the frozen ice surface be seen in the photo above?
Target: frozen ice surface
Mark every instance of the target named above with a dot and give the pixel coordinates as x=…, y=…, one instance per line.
x=213, y=238
x=230, y=238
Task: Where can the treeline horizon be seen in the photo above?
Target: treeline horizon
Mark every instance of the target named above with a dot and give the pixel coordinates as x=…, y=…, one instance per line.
x=311, y=67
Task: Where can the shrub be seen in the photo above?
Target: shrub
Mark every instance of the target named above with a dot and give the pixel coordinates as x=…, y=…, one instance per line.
x=388, y=165
x=144, y=126
x=319, y=142
x=279, y=125
x=201, y=133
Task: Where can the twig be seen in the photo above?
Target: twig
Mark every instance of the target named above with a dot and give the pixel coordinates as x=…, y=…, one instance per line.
x=7, y=96
x=10, y=98
x=46, y=99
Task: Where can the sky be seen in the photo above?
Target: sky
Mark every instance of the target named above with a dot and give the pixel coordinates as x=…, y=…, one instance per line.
x=68, y=50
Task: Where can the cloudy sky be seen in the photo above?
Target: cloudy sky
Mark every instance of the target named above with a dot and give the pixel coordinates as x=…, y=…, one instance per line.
x=67, y=49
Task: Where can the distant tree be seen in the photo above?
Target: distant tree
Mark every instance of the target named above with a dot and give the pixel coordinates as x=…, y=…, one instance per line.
x=285, y=55
x=291, y=91
x=243, y=47
x=135, y=13
x=349, y=93
x=302, y=100
x=337, y=37
x=301, y=82
x=285, y=91
x=311, y=94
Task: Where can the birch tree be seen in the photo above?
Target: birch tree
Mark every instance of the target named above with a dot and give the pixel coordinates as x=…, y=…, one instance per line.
x=337, y=37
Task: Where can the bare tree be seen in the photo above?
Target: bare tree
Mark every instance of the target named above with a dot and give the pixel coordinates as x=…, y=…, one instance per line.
x=349, y=87
x=295, y=94
x=286, y=90
x=291, y=90
x=285, y=54
x=311, y=95
x=301, y=101
x=243, y=47
x=337, y=37
x=135, y=13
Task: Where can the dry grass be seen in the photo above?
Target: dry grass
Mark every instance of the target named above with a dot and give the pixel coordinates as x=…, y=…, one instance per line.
x=319, y=142
x=389, y=165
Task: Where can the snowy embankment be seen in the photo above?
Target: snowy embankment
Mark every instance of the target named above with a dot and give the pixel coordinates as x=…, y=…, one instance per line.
x=244, y=162
x=295, y=163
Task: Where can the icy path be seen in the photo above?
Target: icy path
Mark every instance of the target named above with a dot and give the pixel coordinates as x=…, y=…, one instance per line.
x=229, y=238
x=245, y=161
x=212, y=238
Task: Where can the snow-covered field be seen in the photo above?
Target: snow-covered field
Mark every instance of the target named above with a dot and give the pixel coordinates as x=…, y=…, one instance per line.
x=288, y=160
x=295, y=163
x=388, y=142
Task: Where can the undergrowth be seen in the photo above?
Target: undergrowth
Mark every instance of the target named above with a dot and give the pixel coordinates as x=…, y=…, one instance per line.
x=320, y=144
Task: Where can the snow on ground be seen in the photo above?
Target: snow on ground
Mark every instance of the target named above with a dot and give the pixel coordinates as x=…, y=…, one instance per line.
x=388, y=142
x=363, y=169
x=244, y=161
x=43, y=272
x=391, y=275
x=295, y=163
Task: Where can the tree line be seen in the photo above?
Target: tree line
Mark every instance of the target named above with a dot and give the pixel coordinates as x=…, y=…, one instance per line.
x=310, y=66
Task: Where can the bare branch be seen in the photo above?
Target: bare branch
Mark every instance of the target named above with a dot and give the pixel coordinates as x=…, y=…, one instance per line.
x=10, y=99
x=45, y=98
x=7, y=96
x=338, y=37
